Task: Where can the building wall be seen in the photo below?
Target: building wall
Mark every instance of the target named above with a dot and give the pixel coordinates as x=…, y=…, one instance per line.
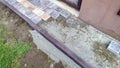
x=102, y=14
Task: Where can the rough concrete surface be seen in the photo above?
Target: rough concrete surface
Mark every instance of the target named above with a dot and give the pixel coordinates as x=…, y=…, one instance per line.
x=52, y=51
x=86, y=41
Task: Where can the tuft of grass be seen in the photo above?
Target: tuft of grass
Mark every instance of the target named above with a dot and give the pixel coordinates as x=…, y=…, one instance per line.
x=11, y=51
x=102, y=52
x=49, y=60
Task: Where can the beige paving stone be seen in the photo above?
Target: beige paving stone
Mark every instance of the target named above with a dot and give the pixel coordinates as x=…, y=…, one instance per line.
x=45, y=16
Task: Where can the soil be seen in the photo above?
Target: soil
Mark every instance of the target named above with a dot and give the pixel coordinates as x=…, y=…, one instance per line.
x=34, y=59
x=18, y=28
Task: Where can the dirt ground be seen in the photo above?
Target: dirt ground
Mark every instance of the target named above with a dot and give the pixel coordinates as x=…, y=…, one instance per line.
x=18, y=28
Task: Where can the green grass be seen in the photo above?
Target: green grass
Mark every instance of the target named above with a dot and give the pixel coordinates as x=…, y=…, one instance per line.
x=11, y=50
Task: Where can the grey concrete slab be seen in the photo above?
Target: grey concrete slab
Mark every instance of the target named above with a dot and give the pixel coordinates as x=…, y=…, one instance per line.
x=54, y=53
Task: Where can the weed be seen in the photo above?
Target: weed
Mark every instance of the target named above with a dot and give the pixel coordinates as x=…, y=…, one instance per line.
x=49, y=60
x=11, y=51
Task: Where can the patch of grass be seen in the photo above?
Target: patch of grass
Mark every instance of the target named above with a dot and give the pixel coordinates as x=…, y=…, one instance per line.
x=11, y=50
x=49, y=60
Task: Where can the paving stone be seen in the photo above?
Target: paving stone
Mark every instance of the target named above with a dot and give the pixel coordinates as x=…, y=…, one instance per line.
x=52, y=5
x=58, y=9
x=45, y=16
x=40, y=3
x=48, y=10
x=20, y=0
x=35, y=2
x=17, y=5
x=55, y=14
x=38, y=12
x=65, y=13
x=36, y=19
x=62, y=11
x=11, y=1
x=44, y=2
x=28, y=5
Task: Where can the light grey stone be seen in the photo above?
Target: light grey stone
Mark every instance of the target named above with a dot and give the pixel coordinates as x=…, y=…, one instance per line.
x=114, y=47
